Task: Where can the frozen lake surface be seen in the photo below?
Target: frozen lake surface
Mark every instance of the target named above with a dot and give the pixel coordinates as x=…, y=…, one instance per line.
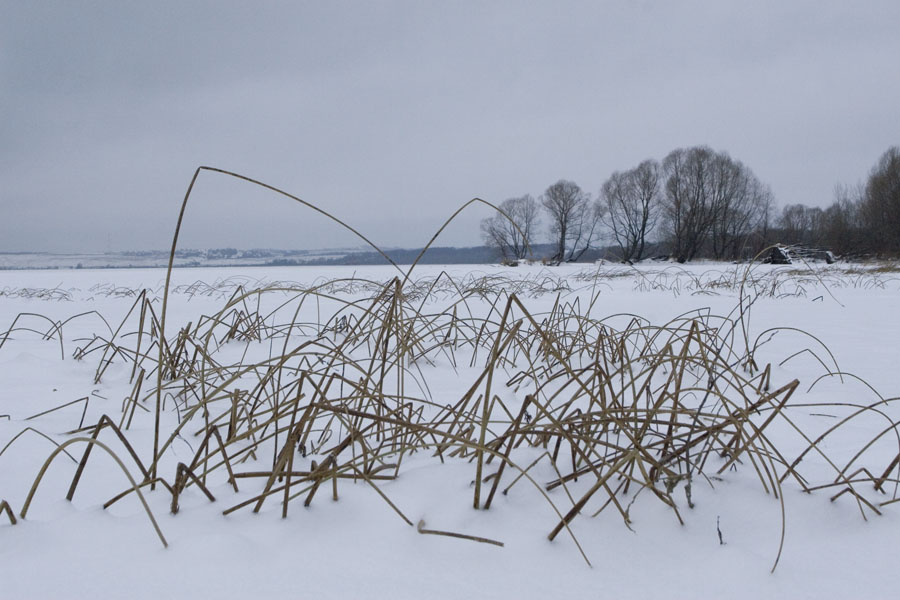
x=383, y=381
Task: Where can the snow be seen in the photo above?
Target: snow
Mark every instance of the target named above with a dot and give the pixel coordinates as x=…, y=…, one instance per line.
x=359, y=545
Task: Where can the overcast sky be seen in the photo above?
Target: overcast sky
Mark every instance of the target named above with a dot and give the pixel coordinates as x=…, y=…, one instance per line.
x=392, y=114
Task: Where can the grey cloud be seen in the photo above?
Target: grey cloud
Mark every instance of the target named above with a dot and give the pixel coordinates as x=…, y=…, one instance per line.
x=393, y=114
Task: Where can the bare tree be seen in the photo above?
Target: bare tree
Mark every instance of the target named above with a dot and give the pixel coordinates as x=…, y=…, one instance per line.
x=881, y=206
x=712, y=203
x=511, y=233
x=800, y=224
x=764, y=226
x=573, y=220
x=841, y=226
x=631, y=201
x=742, y=205
x=689, y=205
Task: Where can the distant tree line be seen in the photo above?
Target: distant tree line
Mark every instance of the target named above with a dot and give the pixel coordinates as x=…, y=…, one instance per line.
x=863, y=220
x=697, y=203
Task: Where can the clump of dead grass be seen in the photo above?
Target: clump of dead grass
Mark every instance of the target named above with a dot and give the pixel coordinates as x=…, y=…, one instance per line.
x=616, y=406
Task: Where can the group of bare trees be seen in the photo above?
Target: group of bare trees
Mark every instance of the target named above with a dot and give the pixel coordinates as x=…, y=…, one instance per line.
x=712, y=205
x=573, y=223
x=862, y=220
x=698, y=202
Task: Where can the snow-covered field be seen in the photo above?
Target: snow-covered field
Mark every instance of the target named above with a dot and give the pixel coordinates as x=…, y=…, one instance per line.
x=383, y=384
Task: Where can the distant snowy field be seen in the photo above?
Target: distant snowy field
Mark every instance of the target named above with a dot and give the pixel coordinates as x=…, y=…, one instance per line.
x=359, y=546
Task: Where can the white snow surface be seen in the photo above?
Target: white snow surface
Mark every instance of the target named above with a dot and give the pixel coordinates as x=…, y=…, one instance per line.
x=359, y=547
